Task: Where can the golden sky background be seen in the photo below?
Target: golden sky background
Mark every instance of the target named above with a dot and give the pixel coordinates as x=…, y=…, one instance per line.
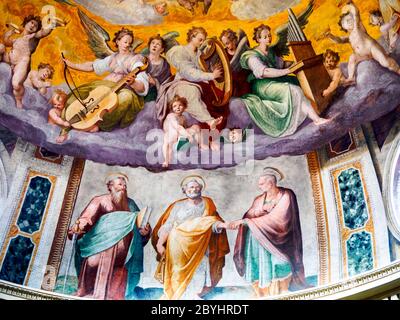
x=72, y=40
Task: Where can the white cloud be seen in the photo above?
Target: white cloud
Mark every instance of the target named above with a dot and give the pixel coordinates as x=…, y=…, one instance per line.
x=259, y=9
x=127, y=12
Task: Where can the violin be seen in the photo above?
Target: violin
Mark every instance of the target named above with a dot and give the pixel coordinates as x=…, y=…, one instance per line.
x=85, y=114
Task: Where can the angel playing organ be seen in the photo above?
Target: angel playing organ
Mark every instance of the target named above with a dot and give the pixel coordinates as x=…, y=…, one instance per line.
x=277, y=104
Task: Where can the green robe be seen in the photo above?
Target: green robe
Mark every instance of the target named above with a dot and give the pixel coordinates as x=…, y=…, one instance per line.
x=270, y=105
x=261, y=265
x=129, y=105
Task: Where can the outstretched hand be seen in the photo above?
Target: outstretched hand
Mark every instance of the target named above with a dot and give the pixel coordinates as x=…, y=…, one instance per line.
x=145, y=231
x=160, y=249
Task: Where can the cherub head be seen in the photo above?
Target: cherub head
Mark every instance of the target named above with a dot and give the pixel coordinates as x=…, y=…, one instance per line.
x=156, y=45
x=262, y=34
x=59, y=99
x=123, y=39
x=32, y=23
x=178, y=105
x=346, y=22
x=331, y=59
x=161, y=8
x=376, y=18
x=196, y=36
x=235, y=135
x=229, y=39
x=46, y=71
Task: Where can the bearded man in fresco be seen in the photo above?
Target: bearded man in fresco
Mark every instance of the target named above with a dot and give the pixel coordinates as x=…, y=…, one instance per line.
x=109, y=252
x=191, y=244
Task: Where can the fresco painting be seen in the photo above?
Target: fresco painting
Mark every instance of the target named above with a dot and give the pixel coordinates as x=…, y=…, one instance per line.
x=197, y=149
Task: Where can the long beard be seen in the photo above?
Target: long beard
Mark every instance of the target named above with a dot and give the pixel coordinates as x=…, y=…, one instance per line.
x=193, y=195
x=120, y=199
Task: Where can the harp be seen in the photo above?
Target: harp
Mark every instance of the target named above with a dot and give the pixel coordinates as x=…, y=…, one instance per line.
x=308, y=66
x=212, y=54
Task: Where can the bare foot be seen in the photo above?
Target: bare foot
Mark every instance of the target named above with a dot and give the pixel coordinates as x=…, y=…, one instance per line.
x=349, y=82
x=94, y=129
x=19, y=105
x=215, y=145
x=203, y=146
x=213, y=123
x=322, y=121
x=165, y=164
x=61, y=139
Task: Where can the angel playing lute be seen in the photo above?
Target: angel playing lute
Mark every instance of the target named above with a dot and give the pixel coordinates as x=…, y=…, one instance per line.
x=277, y=104
x=119, y=64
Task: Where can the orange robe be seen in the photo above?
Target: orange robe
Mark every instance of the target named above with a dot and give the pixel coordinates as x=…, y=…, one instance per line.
x=186, y=246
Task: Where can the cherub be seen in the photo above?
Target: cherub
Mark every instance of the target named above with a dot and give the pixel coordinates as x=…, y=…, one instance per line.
x=161, y=8
x=364, y=46
x=22, y=49
x=331, y=63
x=192, y=4
x=40, y=79
x=387, y=29
x=390, y=10
x=58, y=101
x=175, y=126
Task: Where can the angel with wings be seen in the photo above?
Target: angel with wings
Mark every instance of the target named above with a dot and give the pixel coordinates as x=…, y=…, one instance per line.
x=118, y=64
x=235, y=44
x=159, y=69
x=277, y=104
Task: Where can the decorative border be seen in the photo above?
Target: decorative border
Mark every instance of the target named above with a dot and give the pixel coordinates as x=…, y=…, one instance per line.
x=60, y=235
x=14, y=231
x=387, y=183
x=345, y=232
x=38, y=155
x=314, y=168
x=333, y=154
x=347, y=155
x=383, y=276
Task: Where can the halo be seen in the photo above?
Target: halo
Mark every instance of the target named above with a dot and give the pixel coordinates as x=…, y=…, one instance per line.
x=274, y=172
x=115, y=175
x=193, y=177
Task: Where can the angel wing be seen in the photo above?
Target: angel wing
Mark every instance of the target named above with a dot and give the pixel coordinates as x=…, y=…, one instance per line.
x=243, y=45
x=170, y=40
x=280, y=47
x=66, y=2
x=98, y=38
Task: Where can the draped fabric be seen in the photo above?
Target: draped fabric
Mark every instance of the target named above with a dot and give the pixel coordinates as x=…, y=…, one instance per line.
x=272, y=105
x=279, y=234
x=109, y=257
x=186, y=246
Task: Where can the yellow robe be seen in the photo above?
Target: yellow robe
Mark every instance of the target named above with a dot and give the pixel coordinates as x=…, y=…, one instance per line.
x=186, y=247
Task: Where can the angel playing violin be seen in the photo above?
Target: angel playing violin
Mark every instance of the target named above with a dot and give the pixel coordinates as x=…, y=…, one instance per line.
x=119, y=64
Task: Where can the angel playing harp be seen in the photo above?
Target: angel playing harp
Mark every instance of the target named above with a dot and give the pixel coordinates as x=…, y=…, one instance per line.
x=119, y=64
x=277, y=103
x=235, y=44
